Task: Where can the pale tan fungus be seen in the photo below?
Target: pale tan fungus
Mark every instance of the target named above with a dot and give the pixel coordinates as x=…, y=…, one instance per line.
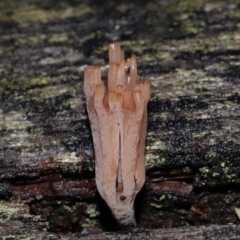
x=237, y=211
x=118, y=119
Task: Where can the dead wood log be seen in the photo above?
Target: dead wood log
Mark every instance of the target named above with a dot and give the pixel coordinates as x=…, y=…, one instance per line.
x=190, y=51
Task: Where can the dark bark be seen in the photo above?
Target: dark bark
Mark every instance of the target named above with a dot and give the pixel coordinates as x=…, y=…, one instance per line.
x=189, y=49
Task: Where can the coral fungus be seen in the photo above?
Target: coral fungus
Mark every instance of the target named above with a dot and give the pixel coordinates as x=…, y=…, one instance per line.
x=118, y=119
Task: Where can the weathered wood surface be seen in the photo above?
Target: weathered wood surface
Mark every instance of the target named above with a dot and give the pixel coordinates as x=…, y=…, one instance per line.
x=190, y=50
x=15, y=227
